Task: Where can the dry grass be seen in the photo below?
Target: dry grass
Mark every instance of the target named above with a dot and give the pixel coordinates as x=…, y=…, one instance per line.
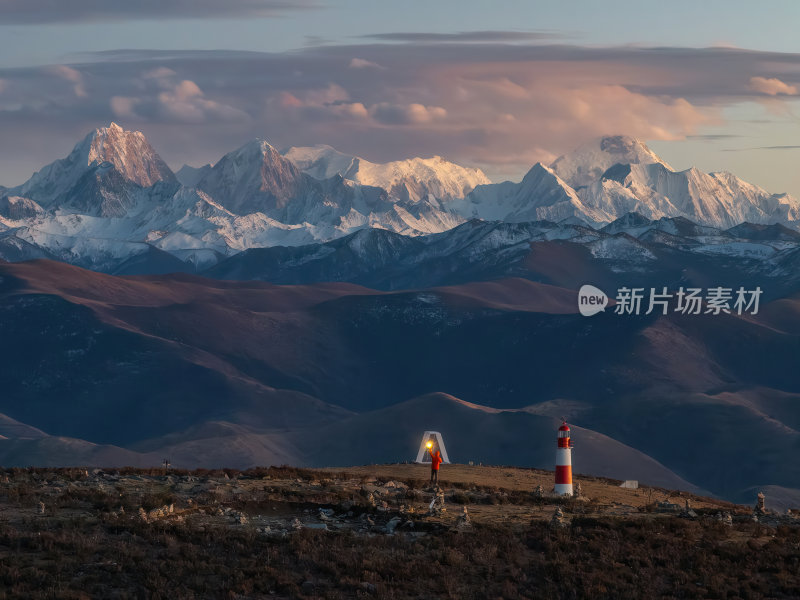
x=609, y=549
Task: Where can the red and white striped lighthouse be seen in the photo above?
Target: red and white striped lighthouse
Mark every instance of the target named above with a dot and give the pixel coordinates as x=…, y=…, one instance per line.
x=564, y=462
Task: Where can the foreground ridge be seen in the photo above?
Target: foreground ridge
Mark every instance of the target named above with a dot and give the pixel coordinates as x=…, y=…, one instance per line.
x=297, y=533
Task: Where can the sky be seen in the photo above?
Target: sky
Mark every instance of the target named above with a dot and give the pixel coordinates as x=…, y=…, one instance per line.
x=708, y=84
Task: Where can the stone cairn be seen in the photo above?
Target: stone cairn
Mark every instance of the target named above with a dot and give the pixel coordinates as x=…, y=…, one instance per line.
x=760, y=508
x=559, y=521
x=437, y=505
x=463, y=520
x=578, y=492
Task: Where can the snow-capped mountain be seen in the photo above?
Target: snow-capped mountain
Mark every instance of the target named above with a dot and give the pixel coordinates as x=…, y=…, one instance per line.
x=113, y=203
x=616, y=175
x=540, y=195
x=114, y=198
x=128, y=154
x=715, y=199
x=666, y=251
x=588, y=162
x=257, y=179
x=613, y=176
x=413, y=179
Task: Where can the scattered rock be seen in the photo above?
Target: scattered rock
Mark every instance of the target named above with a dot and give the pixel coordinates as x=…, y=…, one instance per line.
x=668, y=507
x=392, y=524
x=368, y=587
x=724, y=518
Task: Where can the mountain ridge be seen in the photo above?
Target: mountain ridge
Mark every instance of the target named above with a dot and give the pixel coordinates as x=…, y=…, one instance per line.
x=284, y=365
x=113, y=203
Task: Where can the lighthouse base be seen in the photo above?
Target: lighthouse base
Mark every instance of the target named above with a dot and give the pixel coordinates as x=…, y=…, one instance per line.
x=563, y=489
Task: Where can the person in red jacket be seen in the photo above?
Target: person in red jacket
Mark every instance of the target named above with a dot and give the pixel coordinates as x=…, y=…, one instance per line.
x=436, y=460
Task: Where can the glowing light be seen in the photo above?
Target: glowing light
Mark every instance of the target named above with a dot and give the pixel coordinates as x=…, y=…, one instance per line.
x=430, y=444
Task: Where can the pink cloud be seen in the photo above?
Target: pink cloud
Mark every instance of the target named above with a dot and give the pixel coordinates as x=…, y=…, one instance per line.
x=493, y=105
x=360, y=63
x=406, y=114
x=180, y=101
x=772, y=86
x=69, y=74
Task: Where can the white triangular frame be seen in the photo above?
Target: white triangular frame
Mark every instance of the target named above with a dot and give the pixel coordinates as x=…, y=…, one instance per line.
x=438, y=444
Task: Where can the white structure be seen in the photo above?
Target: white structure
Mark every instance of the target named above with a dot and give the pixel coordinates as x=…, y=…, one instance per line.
x=563, y=485
x=630, y=484
x=437, y=444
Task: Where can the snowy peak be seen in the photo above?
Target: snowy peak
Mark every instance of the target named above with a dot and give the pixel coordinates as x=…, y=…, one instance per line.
x=590, y=161
x=253, y=178
x=128, y=152
x=411, y=179
x=258, y=155
x=544, y=187
x=541, y=195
